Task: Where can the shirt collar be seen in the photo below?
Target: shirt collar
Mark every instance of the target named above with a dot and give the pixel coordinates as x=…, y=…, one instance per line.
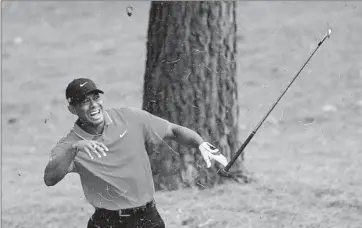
x=107, y=118
x=85, y=135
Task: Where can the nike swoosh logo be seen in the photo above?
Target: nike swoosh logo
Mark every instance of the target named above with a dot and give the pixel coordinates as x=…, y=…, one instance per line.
x=121, y=135
x=81, y=85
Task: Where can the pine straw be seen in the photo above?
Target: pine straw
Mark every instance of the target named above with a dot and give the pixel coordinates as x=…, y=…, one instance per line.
x=255, y=205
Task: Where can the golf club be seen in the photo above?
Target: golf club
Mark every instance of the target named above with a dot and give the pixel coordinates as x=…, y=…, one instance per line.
x=225, y=171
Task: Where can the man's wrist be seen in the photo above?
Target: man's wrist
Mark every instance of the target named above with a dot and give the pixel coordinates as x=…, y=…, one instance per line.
x=74, y=149
x=74, y=145
x=201, y=144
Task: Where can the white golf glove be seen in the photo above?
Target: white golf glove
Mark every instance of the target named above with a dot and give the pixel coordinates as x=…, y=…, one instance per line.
x=209, y=152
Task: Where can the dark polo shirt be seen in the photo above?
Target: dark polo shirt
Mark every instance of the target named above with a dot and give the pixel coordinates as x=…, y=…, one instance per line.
x=123, y=178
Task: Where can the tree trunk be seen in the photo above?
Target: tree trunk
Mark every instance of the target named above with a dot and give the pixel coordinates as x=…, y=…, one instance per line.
x=190, y=80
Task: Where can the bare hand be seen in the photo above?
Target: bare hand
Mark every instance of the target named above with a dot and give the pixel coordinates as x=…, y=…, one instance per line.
x=89, y=146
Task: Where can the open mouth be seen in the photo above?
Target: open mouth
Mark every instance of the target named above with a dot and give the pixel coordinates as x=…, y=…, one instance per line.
x=95, y=114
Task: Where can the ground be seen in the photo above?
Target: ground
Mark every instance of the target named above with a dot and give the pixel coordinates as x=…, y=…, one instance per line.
x=306, y=157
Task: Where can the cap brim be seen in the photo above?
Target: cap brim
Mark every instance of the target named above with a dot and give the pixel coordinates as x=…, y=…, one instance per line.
x=95, y=90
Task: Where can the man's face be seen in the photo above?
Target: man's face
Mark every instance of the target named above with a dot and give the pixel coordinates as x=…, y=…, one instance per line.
x=90, y=110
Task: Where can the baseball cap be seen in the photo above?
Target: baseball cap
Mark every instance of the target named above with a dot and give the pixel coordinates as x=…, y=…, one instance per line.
x=79, y=88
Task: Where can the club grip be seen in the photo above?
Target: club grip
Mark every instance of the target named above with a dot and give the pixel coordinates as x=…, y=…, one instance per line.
x=241, y=149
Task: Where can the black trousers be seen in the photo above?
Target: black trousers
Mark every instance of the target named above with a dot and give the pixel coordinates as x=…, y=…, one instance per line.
x=142, y=217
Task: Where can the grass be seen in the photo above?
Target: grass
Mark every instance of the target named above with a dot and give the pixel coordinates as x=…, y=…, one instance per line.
x=310, y=178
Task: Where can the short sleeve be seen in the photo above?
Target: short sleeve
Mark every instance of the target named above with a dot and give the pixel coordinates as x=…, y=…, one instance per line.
x=154, y=127
x=63, y=146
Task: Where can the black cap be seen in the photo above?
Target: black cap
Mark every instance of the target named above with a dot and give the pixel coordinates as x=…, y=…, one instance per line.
x=79, y=88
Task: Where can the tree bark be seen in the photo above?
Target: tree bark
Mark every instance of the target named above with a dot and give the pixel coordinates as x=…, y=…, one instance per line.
x=190, y=80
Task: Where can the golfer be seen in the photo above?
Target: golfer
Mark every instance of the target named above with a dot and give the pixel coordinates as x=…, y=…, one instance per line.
x=107, y=149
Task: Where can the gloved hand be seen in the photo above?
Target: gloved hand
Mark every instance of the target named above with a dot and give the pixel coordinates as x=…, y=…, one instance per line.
x=209, y=152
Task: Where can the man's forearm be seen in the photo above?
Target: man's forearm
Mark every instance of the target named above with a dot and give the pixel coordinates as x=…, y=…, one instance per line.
x=58, y=167
x=187, y=137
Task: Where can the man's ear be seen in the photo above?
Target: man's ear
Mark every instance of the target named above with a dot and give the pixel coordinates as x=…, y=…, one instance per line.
x=72, y=109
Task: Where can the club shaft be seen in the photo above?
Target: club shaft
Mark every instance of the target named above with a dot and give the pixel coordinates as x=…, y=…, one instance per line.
x=246, y=142
x=286, y=89
x=241, y=149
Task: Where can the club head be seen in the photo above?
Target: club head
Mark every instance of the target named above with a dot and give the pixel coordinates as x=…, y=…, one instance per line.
x=223, y=172
x=329, y=33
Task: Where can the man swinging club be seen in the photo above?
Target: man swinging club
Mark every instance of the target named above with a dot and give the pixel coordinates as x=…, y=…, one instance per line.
x=107, y=149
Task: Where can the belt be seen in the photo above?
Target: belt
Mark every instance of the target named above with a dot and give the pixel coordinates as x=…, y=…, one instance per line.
x=128, y=211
